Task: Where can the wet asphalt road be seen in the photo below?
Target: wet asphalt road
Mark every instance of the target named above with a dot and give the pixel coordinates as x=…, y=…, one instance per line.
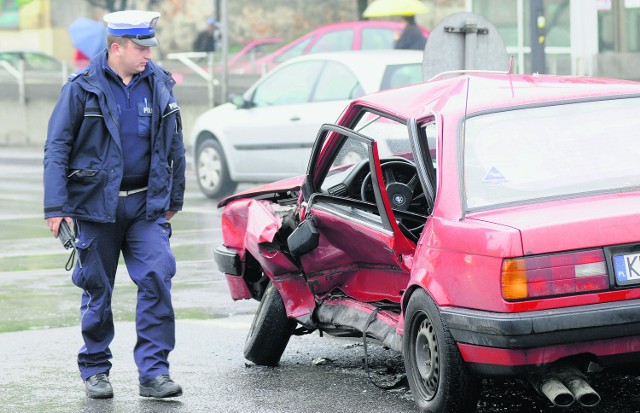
x=38, y=371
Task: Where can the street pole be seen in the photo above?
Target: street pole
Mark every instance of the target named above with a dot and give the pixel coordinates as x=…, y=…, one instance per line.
x=537, y=36
x=225, y=52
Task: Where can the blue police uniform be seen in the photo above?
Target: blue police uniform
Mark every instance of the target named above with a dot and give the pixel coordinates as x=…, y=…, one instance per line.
x=115, y=162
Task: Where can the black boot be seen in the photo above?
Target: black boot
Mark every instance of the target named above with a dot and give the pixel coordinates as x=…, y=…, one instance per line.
x=160, y=387
x=99, y=387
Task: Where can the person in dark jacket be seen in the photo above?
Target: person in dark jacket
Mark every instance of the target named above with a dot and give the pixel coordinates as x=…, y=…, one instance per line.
x=114, y=165
x=207, y=40
x=411, y=36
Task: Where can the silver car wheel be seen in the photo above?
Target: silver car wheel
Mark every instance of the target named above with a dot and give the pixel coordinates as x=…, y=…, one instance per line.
x=212, y=169
x=209, y=168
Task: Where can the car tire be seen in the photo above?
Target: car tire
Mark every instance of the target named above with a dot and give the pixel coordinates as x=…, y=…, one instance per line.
x=270, y=330
x=212, y=171
x=437, y=375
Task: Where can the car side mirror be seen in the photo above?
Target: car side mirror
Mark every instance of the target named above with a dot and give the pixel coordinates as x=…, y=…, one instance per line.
x=239, y=101
x=304, y=238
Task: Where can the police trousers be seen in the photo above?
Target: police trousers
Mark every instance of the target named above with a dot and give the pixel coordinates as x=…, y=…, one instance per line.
x=151, y=265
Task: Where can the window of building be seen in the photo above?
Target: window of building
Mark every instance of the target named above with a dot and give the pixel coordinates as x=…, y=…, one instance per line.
x=618, y=26
x=512, y=19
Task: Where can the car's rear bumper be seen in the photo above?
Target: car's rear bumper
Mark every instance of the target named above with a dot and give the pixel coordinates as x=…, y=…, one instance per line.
x=508, y=343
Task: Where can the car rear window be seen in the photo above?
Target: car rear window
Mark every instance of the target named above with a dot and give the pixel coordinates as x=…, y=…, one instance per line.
x=564, y=150
x=401, y=75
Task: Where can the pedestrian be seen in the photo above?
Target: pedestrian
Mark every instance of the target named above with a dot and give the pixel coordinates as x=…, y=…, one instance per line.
x=411, y=36
x=207, y=40
x=114, y=166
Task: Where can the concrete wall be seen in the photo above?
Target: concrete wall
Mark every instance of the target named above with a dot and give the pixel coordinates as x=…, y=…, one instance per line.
x=25, y=125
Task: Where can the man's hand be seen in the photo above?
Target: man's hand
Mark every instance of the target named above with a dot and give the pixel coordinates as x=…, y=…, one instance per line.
x=54, y=224
x=169, y=215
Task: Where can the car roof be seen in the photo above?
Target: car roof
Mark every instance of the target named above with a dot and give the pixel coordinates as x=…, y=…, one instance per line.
x=358, y=23
x=489, y=91
x=356, y=58
x=368, y=65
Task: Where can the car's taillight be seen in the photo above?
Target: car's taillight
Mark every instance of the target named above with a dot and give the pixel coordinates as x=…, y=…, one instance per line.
x=554, y=274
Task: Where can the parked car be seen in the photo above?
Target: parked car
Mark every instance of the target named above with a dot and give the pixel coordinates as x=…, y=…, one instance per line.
x=356, y=35
x=491, y=230
x=239, y=62
x=267, y=133
x=253, y=50
x=38, y=66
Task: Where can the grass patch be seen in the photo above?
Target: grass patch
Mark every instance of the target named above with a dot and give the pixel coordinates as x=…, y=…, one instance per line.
x=195, y=313
x=29, y=309
x=33, y=262
x=193, y=252
x=24, y=228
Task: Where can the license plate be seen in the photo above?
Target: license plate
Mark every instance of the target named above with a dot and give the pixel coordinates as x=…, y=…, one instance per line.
x=627, y=268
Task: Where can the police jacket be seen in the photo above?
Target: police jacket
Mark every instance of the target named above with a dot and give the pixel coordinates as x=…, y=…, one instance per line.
x=83, y=160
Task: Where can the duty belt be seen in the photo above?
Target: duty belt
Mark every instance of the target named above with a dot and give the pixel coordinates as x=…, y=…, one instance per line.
x=131, y=192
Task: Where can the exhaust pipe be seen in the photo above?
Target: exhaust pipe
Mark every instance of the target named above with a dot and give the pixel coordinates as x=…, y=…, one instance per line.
x=554, y=390
x=563, y=385
x=576, y=383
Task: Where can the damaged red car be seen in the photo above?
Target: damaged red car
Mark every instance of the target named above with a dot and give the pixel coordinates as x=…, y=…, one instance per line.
x=485, y=225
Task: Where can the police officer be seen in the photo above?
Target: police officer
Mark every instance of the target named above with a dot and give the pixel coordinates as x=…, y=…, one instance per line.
x=114, y=167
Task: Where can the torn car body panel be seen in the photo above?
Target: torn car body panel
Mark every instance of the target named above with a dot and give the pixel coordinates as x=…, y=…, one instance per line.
x=251, y=228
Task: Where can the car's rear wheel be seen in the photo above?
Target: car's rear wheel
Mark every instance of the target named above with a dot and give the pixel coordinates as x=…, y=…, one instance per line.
x=212, y=170
x=438, y=378
x=270, y=331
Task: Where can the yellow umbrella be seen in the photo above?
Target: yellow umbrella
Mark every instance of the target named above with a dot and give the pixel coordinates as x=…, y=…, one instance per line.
x=382, y=8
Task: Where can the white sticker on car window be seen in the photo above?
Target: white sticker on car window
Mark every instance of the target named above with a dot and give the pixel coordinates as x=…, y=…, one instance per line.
x=494, y=177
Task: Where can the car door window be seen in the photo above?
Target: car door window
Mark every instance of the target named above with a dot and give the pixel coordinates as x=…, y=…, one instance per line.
x=337, y=82
x=431, y=131
x=405, y=187
x=392, y=136
x=333, y=42
x=343, y=182
x=401, y=75
x=294, y=51
x=293, y=84
x=377, y=39
x=349, y=176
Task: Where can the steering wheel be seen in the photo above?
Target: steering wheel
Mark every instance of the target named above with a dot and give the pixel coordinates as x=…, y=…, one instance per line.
x=402, y=185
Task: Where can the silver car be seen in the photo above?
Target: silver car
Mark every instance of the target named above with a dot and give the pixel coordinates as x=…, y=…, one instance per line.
x=267, y=133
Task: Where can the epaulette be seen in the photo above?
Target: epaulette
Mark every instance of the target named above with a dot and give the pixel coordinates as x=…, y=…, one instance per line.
x=75, y=75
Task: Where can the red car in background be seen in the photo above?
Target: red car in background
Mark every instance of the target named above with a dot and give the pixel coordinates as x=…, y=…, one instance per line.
x=483, y=225
x=357, y=35
x=251, y=52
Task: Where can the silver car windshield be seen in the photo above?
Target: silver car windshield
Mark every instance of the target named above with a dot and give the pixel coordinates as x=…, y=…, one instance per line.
x=523, y=155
